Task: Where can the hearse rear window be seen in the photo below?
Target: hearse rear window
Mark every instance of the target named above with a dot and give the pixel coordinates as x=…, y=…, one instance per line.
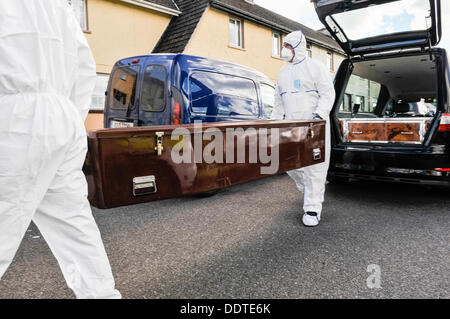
x=123, y=87
x=223, y=95
x=361, y=97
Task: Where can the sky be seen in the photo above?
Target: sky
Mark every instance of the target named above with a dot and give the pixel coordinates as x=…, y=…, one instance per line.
x=398, y=17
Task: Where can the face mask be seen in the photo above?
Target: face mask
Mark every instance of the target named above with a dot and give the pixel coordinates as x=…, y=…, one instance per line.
x=286, y=54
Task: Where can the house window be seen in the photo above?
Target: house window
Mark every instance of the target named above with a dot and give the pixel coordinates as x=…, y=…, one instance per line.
x=309, y=50
x=98, y=96
x=276, y=45
x=360, y=100
x=80, y=9
x=346, y=105
x=330, y=61
x=236, y=33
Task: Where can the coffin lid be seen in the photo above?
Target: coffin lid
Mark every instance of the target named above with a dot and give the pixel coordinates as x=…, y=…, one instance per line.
x=145, y=131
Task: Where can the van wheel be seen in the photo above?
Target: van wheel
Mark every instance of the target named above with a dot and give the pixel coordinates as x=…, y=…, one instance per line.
x=208, y=194
x=332, y=179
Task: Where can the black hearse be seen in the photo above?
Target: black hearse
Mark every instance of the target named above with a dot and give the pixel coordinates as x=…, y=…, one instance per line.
x=391, y=116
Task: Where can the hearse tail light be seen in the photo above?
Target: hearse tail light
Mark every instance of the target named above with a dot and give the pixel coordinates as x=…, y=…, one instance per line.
x=445, y=123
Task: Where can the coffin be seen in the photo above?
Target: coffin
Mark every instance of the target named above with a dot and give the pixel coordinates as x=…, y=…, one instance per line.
x=389, y=130
x=127, y=166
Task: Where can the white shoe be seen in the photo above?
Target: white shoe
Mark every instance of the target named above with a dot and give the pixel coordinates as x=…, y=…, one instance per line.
x=311, y=219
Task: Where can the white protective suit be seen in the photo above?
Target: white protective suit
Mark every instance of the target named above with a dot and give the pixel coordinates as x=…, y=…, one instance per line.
x=305, y=88
x=47, y=75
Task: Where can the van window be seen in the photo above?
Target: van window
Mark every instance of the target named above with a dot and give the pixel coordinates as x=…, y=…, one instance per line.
x=123, y=87
x=268, y=99
x=216, y=94
x=153, y=98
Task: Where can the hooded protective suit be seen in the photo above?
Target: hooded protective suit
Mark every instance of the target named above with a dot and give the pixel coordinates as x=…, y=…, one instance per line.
x=305, y=89
x=47, y=75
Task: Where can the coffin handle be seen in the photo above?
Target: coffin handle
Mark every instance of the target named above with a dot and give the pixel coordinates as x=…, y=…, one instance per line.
x=159, y=143
x=311, y=130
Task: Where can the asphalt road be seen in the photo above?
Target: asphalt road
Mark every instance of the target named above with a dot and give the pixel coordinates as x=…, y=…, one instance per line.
x=248, y=242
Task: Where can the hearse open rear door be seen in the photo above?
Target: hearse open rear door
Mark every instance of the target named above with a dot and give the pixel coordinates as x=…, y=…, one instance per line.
x=362, y=26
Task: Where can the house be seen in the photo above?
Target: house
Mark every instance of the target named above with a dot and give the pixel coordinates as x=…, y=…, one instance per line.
x=237, y=31
x=242, y=32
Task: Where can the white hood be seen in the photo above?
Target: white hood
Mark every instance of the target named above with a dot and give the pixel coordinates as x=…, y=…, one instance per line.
x=298, y=41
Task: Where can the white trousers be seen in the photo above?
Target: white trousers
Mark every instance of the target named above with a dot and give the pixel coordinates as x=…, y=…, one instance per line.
x=310, y=181
x=43, y=146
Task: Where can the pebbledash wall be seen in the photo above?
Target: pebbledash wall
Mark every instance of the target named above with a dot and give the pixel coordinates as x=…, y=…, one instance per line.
x=256, y=51
x=117, y=29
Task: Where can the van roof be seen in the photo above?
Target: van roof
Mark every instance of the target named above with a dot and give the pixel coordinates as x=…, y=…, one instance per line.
x=197, y=62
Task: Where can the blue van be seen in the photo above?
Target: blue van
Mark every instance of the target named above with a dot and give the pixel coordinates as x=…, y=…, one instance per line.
x=170, y=89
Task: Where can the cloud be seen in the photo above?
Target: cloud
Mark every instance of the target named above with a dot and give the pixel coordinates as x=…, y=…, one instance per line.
x=297, y=10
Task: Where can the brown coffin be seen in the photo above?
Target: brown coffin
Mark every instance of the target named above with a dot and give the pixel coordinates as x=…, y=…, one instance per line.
x=123, y=166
